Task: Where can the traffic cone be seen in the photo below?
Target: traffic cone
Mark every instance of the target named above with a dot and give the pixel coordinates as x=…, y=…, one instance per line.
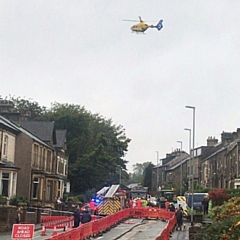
x=54, y=231
x=43, y=231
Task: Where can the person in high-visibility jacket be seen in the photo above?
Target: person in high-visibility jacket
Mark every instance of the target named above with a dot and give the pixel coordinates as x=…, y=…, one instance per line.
x=144, y=202
x=167, y=204
x=139, y=202
x=92, y=206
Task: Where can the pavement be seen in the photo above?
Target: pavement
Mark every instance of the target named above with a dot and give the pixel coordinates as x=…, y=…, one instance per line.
x=182, y=234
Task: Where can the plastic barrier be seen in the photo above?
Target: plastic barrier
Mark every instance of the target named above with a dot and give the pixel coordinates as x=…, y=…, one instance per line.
x=100, y=225
x=86, y=230
x=165, y=234
x=56, y=221
x=137, y=212
x=152, y=213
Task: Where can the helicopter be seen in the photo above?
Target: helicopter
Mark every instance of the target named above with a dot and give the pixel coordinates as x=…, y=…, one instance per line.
x=142, y=26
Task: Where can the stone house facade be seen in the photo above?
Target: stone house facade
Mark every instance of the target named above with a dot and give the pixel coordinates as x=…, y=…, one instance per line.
x=221, y=168
x=169, y=171
x=8, y=168
x=216, y=165
x=31, y=167
x=50, y=166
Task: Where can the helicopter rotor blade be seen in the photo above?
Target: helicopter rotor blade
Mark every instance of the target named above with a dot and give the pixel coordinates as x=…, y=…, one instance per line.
x=130, y=20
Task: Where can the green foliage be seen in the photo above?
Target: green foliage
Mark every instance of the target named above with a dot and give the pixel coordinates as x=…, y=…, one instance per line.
x=3, y=200
x=233, y=192
x=226, y=221
x=139, y=172
x=96, y=146
x=147, y=176
x=18, y=200
x=28, y=108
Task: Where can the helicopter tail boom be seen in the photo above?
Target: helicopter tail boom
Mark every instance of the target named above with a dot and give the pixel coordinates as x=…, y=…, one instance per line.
x=159, y=26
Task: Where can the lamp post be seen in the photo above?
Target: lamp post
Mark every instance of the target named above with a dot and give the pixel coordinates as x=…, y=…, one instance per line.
x=120, y=177
x=191, y=171
x=181, y=171
x=193, y=138
x=188, y=129
x=157, y=172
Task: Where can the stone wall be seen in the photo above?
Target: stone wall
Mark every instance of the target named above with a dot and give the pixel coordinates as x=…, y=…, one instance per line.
x=7, y=217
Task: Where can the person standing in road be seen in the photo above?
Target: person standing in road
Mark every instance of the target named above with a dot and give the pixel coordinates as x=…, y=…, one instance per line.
x=179, y=216
x=85, y=216
x=76, y=216
x=205, y=203
x=92, y=206
x=167, y=204
x=19, y=215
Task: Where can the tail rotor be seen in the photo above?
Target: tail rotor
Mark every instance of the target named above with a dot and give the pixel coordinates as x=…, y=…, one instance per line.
x=159, y=26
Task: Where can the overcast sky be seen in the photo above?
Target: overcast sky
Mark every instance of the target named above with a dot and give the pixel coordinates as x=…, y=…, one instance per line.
x=81, y=52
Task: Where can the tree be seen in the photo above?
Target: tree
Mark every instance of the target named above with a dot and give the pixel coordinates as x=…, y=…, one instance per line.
x=147, y=176
x=30, y=109
x=96, y=146
x=138, y=173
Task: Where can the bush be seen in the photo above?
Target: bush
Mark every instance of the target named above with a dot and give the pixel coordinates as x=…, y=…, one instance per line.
x=226, y=222
x=17, y=200
x=3, y=200
x=219, y=196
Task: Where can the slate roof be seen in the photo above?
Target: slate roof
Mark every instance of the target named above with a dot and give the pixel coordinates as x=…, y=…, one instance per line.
x=17, y=128
x=41, y=129
x=60, y=138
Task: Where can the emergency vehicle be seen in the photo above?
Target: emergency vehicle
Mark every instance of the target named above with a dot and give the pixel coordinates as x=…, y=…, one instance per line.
x=113, y=201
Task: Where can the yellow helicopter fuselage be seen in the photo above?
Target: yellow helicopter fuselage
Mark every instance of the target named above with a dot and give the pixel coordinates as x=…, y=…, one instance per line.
x=140, y=27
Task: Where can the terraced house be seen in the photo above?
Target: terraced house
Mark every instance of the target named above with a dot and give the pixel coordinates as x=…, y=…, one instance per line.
x=8, y=169
x=216, y=165
x=32, y=166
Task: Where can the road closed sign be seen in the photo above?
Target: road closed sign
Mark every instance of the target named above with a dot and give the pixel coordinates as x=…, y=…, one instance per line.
x=23, y=231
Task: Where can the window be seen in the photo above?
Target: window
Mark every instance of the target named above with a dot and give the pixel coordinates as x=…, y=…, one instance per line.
x=43, y=166
x=60, y=169
x=5, y=184
x=36, y=184
x=65, y=168
x=41, y=157
x=35, y=155
x=49, y=161
x=49, y=190
x=59, y=188
x=5, y=146
x=14, y=183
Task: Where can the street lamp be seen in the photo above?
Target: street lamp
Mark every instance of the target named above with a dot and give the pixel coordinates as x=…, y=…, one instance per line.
x=188, y=129
x=120, y=177
x=181, y=173
x=190, y=172
x=193, y=138
x=157, y=172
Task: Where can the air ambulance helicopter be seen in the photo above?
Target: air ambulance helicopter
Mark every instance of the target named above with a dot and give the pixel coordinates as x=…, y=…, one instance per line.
x=142, y=26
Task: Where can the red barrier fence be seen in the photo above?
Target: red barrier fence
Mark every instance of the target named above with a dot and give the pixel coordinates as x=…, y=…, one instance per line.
x=169, y=228
x=100, y=225
x=57, y=221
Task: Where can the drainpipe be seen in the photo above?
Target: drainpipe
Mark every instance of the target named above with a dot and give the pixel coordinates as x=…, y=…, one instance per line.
x=1, y=146
x=237, y=157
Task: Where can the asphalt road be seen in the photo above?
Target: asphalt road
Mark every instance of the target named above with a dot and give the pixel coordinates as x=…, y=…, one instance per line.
x=131, y=229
